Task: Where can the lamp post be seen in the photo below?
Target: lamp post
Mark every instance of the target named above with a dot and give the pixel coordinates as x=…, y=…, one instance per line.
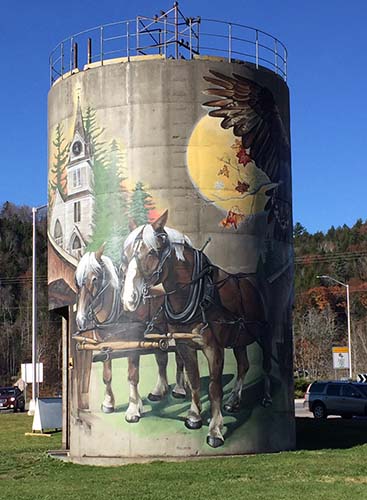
x=348, y=317
x=32, y=404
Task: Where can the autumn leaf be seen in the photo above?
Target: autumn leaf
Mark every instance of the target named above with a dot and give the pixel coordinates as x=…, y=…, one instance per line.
x=232, y=219
x=224, y=171
x=237, y=145
x=242, y=187
x=243, y=157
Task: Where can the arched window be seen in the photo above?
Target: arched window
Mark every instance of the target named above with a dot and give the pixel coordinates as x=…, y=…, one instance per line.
x=58, y=233
x=76, y=243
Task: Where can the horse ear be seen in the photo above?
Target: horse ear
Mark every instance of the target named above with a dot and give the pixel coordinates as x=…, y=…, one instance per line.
x=132, y=224
x=159, y=223
x=100, y=251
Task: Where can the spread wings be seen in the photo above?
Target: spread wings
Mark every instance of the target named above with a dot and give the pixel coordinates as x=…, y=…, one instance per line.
x=252, y=112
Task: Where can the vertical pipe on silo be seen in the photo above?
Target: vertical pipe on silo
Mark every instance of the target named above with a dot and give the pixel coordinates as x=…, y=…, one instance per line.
x=190, y=27
x=89, y=50
x=137, y=35
x=165, y=35
x=127, y=41
x=101, y=42
x=75, y=55
x=176, y=29
x=71, y=54
x=62, y=59
x=257, y=50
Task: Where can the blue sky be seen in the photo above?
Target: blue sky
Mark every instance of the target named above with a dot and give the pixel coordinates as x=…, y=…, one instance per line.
x=327, y=76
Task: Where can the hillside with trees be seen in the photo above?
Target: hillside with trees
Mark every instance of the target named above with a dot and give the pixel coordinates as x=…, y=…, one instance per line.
x=320, y=319
x=16, y=299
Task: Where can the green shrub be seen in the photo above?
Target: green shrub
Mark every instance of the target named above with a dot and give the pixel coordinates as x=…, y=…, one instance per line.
x=300, y=386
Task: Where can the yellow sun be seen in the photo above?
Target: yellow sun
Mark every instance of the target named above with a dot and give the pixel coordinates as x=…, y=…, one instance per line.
x=215, y=171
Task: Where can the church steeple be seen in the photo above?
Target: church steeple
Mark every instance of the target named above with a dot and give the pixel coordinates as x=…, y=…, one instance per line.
x=80, y=146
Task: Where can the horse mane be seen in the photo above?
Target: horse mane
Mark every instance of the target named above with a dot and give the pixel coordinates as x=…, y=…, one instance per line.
x=149, y=237
x=89, y=263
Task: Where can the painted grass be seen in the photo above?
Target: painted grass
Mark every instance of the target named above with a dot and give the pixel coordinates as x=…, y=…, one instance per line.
x=332, y=464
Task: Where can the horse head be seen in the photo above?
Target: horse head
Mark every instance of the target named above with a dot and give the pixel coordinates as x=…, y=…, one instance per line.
x=95, y=277
x=143, y=252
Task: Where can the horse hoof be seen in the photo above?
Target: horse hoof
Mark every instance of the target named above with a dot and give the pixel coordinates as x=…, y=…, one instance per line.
x=231, y=408
x=107, y=409
x=154, y=397
x=193, y=424
x=266, y=402
x=132, y=419
x=214, y=442
x=178, y=395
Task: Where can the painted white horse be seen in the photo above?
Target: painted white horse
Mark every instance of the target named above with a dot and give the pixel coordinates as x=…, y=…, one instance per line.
x=99, y=309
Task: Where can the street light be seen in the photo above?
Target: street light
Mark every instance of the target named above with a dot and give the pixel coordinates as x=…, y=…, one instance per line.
x=32, y=404
x=348, y=318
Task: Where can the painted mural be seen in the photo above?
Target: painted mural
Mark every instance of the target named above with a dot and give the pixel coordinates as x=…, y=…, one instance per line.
x=149, y=301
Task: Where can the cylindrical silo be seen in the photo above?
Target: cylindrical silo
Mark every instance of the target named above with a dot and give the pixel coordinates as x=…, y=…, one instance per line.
x=199, y=142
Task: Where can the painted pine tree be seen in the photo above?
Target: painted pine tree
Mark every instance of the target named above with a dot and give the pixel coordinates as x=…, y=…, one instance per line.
x=100, y=217
x=110, y=214
x=141, y=204
x=118, y=201
x=58, y=174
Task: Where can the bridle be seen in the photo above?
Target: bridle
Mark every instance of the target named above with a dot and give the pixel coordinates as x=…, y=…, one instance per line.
x=97, y=302
x=163, y=254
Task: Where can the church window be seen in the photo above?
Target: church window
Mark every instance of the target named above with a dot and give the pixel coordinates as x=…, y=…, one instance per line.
x=77, y=211
x=76, y=243
x=76, y=178
x=58, y=233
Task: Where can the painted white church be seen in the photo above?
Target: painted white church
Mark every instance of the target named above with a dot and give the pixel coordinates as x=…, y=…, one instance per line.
x=71, y=218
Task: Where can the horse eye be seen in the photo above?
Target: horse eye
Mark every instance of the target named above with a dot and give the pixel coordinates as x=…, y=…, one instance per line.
x=151, y=252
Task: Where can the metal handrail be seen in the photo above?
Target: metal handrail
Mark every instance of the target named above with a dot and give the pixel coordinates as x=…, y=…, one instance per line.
x=170, y=35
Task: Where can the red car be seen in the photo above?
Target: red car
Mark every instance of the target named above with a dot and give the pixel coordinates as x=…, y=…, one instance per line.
x=11, y=398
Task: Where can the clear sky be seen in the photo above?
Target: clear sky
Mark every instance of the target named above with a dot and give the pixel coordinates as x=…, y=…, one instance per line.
x=327, y=76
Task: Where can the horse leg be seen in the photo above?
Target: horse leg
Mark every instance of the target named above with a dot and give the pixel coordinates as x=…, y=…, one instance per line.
x=190, y=361
x=267, y=351
x=108, y=405
x=135, y=408
x=161, y=388
x=233, y=402
x=179, y=391
x=215, y=356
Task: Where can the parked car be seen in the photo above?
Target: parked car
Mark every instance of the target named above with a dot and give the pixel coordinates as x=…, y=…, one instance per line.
x=11, y=398
x=346, y=399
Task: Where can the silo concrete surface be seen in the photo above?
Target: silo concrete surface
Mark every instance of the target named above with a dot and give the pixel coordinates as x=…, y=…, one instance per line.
x=170, y=256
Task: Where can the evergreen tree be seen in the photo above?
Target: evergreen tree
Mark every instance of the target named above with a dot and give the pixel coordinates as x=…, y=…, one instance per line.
x=110, y=214
x=60, y=159
x=100, y=217
x=118, y=201
x=141, y=204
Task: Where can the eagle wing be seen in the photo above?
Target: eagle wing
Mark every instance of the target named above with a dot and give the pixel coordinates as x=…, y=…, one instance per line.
x=251, y=111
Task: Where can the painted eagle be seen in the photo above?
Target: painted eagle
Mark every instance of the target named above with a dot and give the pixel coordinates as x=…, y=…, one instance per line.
x=252, y=112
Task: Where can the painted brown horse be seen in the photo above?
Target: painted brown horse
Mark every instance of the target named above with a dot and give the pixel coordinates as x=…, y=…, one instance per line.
x=226, y=309
x=98, y=308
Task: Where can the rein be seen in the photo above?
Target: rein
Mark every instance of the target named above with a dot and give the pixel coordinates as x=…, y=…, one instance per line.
x=115, y=307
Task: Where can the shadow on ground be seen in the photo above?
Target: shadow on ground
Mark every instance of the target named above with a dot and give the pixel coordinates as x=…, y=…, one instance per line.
x=333, y=433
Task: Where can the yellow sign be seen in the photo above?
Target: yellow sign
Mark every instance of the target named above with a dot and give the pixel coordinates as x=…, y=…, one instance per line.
x=340, y=349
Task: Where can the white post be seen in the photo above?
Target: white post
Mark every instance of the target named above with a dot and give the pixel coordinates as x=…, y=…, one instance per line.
x=32, y=403
x=345, y=285
x=349, y=335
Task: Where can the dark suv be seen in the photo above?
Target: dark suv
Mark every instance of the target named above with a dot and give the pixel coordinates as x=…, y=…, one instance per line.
x=336, y=398
x=11, y=398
